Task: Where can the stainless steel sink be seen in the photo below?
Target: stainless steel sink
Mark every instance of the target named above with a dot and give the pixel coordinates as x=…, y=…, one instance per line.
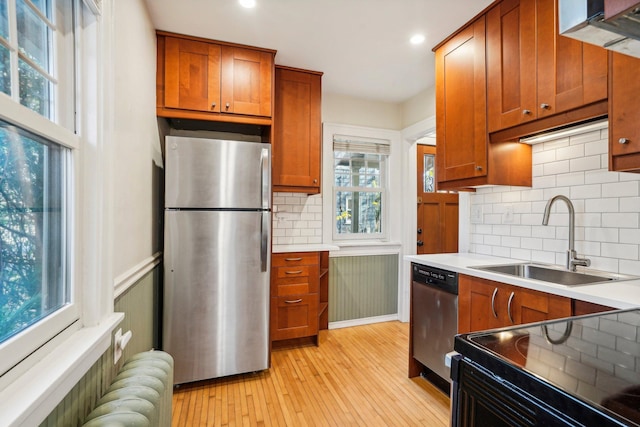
x=555, y=274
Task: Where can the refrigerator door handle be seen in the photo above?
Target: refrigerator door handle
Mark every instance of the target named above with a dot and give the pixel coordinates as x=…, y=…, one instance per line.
x=264, y=241
x=265, y=177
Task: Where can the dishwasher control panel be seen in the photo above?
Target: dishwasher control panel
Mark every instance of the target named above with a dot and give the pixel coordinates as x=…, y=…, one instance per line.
x=436, y=277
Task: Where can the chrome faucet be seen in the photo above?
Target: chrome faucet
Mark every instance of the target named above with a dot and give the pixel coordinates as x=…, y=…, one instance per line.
x=572, y=257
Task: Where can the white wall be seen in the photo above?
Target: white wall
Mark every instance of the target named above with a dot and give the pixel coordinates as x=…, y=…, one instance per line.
x=360, y=112
x=607, y=208
x=135, y=137
x=419, y=107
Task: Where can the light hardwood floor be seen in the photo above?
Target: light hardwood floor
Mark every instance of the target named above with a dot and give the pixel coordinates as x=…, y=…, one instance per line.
x=357, y=376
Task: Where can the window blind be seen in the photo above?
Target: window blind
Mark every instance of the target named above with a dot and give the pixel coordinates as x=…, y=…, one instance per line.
x=357, y=144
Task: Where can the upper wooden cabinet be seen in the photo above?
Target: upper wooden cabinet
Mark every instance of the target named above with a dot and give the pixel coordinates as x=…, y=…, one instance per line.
x=206, y=80
x=464, y=156
x=533, y=73
x=296, y=142
x=624, y=114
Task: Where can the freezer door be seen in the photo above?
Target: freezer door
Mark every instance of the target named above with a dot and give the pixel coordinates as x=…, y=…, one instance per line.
x=216, y=294
x=212, y=173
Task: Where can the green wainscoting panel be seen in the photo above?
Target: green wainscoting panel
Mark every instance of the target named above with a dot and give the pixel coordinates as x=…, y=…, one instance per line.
x=362, y=286
x=141, y=308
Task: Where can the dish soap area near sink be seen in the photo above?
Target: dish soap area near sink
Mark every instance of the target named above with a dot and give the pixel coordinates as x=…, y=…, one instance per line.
x=555, y=274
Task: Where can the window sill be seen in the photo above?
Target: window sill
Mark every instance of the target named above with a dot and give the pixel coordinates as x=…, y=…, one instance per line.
x=360, y=248
x=32, y=397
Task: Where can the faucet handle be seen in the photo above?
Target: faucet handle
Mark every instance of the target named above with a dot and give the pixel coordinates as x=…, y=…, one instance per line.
x=573, y=260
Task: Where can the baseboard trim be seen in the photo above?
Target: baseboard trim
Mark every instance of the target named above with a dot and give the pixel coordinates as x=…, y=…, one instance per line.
x=363, y=321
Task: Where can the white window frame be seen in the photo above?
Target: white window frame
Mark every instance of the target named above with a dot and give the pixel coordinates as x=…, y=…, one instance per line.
x=382, y=190
x=91, y=306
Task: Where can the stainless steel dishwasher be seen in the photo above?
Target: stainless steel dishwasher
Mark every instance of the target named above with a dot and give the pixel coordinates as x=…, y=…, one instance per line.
x=434, y=304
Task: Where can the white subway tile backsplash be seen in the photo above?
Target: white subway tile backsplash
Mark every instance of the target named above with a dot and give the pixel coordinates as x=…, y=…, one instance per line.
x=607, y=206
x=297, y=219
x=585, y=163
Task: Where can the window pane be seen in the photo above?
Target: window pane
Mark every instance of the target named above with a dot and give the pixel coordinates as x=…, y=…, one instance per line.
x=4, y=20
x=5, y=70
x=358, y=212
x=44, y=6
x=33, y=36
x=35, y=89
x=429, y=173
x=33, y=261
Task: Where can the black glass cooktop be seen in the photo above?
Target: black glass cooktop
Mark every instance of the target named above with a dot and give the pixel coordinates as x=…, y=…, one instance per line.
x=593, y=358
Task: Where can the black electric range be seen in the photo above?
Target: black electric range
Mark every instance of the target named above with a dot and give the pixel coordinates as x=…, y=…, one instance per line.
x=578, y=371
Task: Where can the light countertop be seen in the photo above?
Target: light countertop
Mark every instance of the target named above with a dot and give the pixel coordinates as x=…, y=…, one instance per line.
x=617, y=294
x=277, y=249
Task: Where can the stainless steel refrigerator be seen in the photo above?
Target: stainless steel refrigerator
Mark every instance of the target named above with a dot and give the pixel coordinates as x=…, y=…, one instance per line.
x=216, y=257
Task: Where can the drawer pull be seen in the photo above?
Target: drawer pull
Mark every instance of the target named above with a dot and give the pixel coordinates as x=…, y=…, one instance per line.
x=293, y=272
x=294, y=301
x=493, y=303
x=293, y=259
x=509, y=307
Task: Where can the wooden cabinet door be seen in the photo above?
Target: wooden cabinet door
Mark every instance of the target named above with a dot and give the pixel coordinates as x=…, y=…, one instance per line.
x=481, y=304
x=246, y=81
x=511, y=64
x=297, y=133
x=192, y=75
x=527, y=306
x=461, y=105
x=294, y=316
x=571, y=74
x=624, y=113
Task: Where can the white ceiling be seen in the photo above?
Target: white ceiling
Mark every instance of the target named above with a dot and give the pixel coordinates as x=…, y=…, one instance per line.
x=362, y=46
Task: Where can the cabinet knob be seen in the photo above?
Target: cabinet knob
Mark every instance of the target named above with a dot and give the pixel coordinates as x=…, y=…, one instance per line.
x=213, y=106
x=526, y=112
x=545, y=106
x=227, y=106
x=623, y=140
x=420, y=243
x=315, y=181
x=478, y=168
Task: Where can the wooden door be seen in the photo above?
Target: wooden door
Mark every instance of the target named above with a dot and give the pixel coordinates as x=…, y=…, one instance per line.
x=461, y=105
x=437, y=230
x=624, y=114
x=297, y=134
x=192, y=75
x=481, y=304
x=571, y=74
x=528, y=306
x=246, y=81
x=511, y=64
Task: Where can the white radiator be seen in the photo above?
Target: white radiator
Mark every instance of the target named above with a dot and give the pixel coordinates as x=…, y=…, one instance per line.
x=139, y=396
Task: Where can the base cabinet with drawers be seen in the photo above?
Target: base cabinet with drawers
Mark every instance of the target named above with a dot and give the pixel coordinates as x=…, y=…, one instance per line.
x=299, y=294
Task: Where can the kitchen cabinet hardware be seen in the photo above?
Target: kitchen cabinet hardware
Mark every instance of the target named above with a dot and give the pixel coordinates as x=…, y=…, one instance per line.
x=493, y=303
x=545, y=106
x=297, y=141
x=526, y=112
x=213, y=105
x=293, y=259
x=293, y=272
x=513, y=294
x=478, y=168
x=293, y=301
x=419, y=230
x=419, y=243
x=623, y=141
x=226, y=106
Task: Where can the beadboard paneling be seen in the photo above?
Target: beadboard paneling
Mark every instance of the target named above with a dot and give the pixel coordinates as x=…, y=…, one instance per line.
x=362, y=286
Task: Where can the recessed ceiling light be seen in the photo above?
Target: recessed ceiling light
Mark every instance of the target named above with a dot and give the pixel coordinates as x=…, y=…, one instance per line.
x=417, y=39
x=248, y=3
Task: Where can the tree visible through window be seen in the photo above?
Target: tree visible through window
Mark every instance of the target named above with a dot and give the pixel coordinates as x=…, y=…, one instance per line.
x=33, y=261
x=359, y=187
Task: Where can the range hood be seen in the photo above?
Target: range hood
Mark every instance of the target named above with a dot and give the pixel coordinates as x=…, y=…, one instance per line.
x=585, y=20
